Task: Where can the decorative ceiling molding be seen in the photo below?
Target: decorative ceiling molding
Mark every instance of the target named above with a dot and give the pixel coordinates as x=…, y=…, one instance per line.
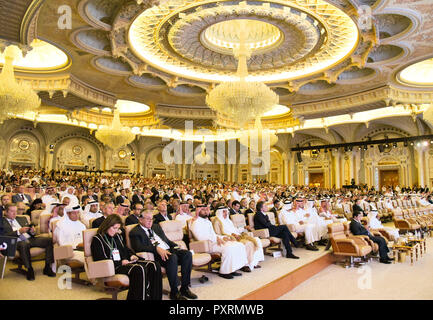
x=387, y=94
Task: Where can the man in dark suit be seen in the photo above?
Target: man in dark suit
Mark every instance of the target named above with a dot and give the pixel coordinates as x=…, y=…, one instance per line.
x=21, y=196
x=5, y=199
x=107, y=208
x=90, y=195
x=122, y=197
x=276, y=208
x=138, y=197
x=236, y=205
x=357, y=229
x=261, y=221
x=149, y=237
x=18, y=227
x=357, y=207
x=137, y=208
x=162, y=215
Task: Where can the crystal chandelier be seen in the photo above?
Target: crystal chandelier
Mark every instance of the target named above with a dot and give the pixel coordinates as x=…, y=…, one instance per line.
x=258, y=139
x=15, y=98
x=242, y=100
x=116, y=135
x=203, y=157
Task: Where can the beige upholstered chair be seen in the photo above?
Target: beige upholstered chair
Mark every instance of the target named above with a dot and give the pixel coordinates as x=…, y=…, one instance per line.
x=36, y=254
x=350, y=235
x=275, y=243
x=404, y=224
x=102, y=272
x=239, y=222
x=63, y=255
x=345, y=246
x=202, y=246
x=174, y=231
x=35, y=216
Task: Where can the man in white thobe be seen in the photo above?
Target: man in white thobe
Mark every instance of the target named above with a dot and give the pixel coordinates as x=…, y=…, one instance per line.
x=72, y=197
x=375, y=224
x=183, y=214
x=233, y=253
x=69, y=231
x=288, y=216
x=49, y=197
x=91, y=211
x=253, y=245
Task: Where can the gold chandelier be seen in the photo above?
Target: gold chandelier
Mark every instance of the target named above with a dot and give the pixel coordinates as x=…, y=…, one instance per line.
x=15, y=98
x=258, y=139
x=242, y=100
x=116, y=135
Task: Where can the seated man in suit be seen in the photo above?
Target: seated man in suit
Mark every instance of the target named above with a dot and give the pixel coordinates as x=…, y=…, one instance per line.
x=149, y=237
x=18, y=227
x=357, y=207
x=357, y=228
x=236, y=205
x=138, y=197
x=162, y=215
x=107, y=208
x=276, y=208
x=5, y=199
x=137, y=209
x=21, y=197
x=121, y=198
x=261, y=221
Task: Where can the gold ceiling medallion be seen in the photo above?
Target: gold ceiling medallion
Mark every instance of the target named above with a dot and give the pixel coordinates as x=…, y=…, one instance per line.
x=77, y=150
x=330, y=36
x=122, y=154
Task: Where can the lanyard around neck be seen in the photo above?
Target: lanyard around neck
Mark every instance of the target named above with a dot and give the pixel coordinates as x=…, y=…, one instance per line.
x=111, y=244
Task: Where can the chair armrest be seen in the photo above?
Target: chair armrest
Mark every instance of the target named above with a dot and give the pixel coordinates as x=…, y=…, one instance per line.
x=63, y=252
x=200, y=246
x=146, y=255
x=360, y=240
x=291, y=227
x=261, y=233
x=100, y=269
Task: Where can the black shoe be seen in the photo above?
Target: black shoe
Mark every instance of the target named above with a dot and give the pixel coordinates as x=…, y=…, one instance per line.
x=236, y=274
x=48, y=272
x=30, y=274
x=257, y=267
x=225, y=276
x=246, y=269
x=177, y=296
x=291, y=256
x=384, y=261
x=188, y=294
x=311, y=247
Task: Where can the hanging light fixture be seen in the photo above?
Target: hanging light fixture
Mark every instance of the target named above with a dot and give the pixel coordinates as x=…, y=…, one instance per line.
x=203, y=157
x=242, y=100
x=15, y=98
x=115, y=135
x=258, y=139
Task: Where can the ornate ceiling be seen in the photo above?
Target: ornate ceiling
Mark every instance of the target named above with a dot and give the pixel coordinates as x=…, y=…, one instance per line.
x=324, y=58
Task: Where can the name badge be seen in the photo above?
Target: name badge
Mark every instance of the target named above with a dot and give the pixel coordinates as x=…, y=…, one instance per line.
x=116, y=255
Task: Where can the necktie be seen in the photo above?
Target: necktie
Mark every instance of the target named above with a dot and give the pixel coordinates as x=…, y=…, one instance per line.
x=22, y=196
x=150, y=233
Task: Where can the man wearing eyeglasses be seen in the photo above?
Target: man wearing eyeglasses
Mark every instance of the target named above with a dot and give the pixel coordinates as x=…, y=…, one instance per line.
x=137, y=208
x=149, y=237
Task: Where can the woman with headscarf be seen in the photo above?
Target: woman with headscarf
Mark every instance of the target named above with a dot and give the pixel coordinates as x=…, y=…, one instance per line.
x=253, y=245
x=36, y=205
